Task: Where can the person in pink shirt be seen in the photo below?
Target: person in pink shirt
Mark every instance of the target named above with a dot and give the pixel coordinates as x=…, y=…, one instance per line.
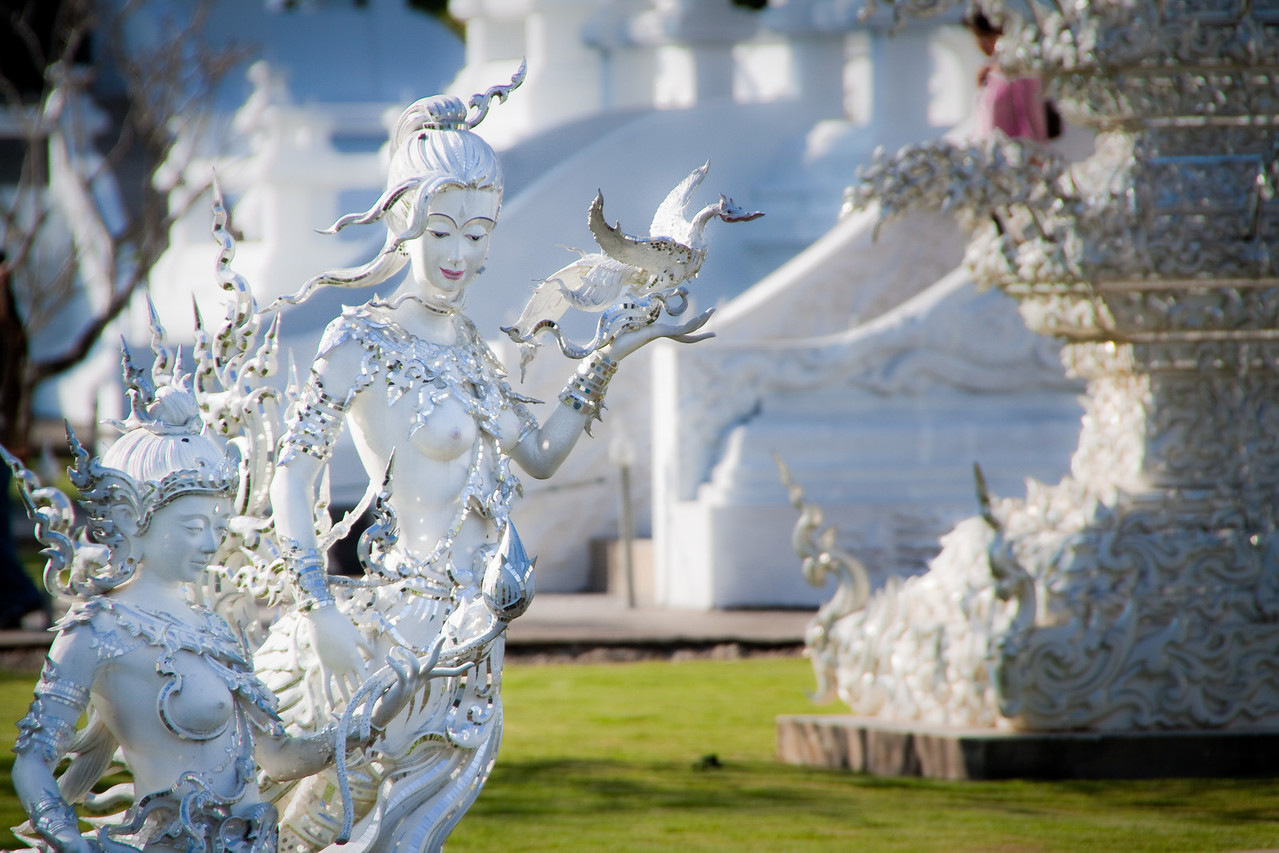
x=1013, y=105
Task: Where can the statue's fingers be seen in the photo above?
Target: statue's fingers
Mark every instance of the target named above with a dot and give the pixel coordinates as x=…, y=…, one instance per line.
x=684, y=330
x=692, y=325
x=343, y=683
x=415, y=666
x=700, y=320
x=399, y=666
x=692, y=339
x=327, y=679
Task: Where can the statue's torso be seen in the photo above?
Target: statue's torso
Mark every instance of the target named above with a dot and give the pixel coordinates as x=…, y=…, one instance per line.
x=446, y=415
x=178, y=694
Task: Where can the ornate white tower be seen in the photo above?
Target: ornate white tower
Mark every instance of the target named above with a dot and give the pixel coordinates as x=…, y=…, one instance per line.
x=1140, y=593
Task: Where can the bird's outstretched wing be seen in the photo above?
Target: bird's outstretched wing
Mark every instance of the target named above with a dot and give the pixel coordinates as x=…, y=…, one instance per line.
x=592, y=284
x=548, y=302
x=603, y=282
x=669, y=220
x=651, y=254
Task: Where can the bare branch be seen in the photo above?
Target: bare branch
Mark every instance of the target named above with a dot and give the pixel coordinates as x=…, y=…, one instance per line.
x=84, y=342
x=21, y=23
x=167, y=84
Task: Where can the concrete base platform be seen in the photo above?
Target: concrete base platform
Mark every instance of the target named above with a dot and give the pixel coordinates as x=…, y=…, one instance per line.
x=885, y=748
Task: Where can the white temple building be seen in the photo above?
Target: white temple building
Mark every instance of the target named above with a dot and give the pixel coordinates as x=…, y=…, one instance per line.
x=869, y=364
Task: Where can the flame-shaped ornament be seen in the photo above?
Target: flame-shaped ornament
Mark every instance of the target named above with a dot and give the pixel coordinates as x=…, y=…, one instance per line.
x=508, y=578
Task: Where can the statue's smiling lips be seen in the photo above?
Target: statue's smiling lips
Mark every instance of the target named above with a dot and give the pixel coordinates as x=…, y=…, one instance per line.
x=452, y=275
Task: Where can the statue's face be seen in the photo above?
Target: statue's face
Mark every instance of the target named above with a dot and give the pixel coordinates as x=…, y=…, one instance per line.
x=451, y=250
x=183, y=536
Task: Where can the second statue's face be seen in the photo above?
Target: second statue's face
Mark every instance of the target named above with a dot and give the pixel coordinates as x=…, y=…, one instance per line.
x=183, y=536
x=452, y=249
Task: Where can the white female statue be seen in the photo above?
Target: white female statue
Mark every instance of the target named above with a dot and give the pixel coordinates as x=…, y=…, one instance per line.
x=167, y=681
x=411, y=378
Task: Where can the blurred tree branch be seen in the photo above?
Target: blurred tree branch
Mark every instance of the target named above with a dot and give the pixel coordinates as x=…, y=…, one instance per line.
x=98, y=181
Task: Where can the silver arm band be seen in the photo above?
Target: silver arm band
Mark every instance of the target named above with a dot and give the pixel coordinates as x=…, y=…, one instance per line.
x=585, y=389
x=315, y=423
x=43, y=731
x=51, y=816
x=54, y=687
x=327, y=738
x=311, y=584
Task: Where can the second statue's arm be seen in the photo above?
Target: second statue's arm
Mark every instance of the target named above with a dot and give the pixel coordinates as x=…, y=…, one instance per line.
x=47, y=731
x=543, y=451
x=284, y=758
x=305, y=449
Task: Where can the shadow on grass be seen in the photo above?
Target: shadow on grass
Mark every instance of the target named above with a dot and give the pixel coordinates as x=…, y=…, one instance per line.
x=577, y=787
x=604, y=787
x=758, y=806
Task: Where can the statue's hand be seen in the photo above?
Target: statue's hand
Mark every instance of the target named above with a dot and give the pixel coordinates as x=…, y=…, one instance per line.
x=67, y=839
x=338, y=644
x=632, y=339
x=71, y=841
x=409, y=670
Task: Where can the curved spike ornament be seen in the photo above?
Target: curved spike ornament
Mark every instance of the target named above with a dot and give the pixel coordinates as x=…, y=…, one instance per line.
x=821, y=560
x=136, y=379
x=480, y=103
x=377, y=541
x=230, y=371
x=164, y=364
x=54, y=518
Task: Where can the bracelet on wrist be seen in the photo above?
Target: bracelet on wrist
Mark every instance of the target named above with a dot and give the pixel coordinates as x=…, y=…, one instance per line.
x=311, y=584
x=51, y=816
x=585, y=389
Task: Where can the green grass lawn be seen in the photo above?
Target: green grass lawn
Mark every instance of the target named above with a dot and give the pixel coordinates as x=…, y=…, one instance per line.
x=15, y=696
x=615, y=758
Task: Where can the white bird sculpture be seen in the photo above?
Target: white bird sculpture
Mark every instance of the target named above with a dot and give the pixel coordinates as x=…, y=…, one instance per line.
x=629, y=270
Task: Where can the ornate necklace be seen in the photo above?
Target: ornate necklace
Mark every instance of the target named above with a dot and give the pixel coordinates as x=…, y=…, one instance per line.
x=441, y=310
x=214, y=642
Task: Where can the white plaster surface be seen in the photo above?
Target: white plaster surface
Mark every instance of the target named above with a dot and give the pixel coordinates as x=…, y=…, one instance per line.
x=881, y=423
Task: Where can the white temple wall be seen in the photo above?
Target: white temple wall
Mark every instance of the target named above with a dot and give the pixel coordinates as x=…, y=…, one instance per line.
x=881, y=424
x=563, y=72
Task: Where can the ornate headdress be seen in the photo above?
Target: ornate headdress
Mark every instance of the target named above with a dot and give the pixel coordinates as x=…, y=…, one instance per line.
x=445, y=112
x=163, y=454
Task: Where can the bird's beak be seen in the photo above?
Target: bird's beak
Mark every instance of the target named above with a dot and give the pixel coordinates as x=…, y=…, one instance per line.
x=730, y=212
